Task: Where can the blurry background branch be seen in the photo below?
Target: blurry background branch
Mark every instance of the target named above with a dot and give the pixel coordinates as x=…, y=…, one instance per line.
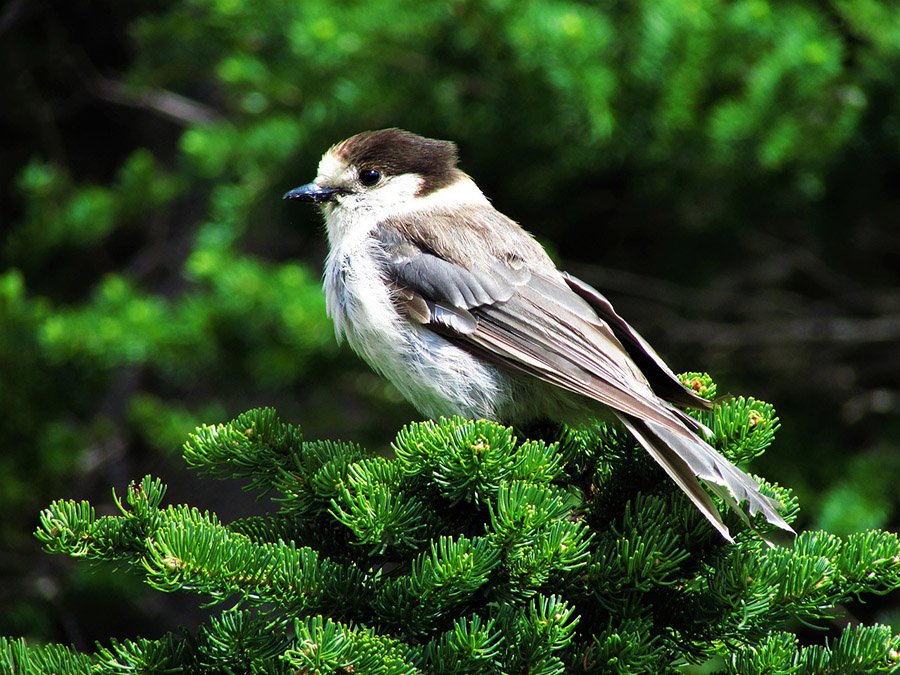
x=170, y=105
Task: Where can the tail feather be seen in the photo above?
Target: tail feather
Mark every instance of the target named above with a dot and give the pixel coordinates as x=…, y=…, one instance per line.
x=687, y=458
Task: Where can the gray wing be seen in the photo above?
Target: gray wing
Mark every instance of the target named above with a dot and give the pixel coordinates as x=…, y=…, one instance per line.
x=534, y=322
x=664, y=382
x=528, y=321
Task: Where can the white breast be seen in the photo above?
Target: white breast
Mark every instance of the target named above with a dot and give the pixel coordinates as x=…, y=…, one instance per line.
x=437, y=377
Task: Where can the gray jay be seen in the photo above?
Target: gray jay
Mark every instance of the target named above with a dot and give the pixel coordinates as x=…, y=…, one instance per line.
x=466, y=314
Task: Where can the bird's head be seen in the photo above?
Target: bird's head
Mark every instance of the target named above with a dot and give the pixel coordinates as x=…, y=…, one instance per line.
x=387, y=173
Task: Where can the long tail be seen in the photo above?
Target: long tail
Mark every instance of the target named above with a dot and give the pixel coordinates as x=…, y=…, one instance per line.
x=687, y=458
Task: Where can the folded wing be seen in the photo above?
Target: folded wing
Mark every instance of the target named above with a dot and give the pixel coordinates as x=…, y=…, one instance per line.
x=559, y=329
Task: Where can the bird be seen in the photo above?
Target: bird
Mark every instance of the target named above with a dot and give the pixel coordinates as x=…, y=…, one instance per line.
x=466, y=314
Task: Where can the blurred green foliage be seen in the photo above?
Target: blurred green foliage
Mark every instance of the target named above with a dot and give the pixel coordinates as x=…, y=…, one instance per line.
x=151, y=279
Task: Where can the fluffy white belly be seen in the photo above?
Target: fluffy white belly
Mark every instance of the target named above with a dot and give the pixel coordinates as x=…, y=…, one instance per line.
x=437, y=377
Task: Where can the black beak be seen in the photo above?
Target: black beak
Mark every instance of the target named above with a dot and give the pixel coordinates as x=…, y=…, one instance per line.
x=312, y=193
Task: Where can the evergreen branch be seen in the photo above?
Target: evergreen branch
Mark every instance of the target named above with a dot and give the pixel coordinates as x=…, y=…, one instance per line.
x=627, y=647
x=472, y=645
x=467, y=460
x=272, y=455
x=243, y=641
x=181, y=548
x=447, y=576
x=537, y=633
x=474, y=552
x=541, y=535
x=71, y=527
x=323, y=475
x=207, y=558
x=326, y=646
x=522, y=509
x=870, y=562
x=16, y=656
x=859, y=649
x=742, y=428
x=700, y=383
x=123, y=657
x=383, y=519
x=255, y=445
x=64, y=527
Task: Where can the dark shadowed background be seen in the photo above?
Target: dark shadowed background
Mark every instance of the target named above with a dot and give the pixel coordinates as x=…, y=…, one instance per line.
x=727, y=172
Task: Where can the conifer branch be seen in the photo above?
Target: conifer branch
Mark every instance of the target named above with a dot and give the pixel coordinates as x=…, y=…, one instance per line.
x=474, y=551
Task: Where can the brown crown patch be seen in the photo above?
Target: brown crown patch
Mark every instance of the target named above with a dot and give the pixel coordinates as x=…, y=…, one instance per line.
x=395, y=152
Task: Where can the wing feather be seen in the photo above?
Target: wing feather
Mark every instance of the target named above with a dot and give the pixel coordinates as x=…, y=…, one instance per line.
x=664, y=382
x=564, y=349
x=558, y=329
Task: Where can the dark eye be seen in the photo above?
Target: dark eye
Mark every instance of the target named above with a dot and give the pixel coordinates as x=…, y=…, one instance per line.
x=369, y=177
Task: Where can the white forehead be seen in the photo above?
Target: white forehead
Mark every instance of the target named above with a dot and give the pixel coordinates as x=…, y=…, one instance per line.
x=331, y=169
